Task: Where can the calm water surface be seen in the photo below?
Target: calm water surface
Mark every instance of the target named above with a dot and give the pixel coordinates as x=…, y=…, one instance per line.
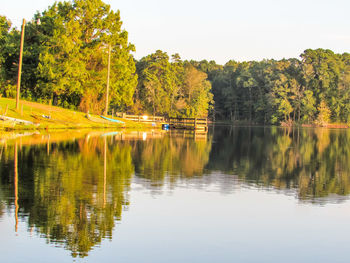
x=235, y=195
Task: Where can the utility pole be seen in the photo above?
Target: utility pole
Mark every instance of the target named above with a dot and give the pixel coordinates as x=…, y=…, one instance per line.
x=20, y=66
x=108, y=73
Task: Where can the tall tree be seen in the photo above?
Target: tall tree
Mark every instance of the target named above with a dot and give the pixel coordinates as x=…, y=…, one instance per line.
x=5, y=64
x=196, y=92
x=4, y=31
x=73, y=65
x=155, y=82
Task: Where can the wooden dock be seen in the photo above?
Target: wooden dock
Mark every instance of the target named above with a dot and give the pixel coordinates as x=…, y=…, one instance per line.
x=198, y=124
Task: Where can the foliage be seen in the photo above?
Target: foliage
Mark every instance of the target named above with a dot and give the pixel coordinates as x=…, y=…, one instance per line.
x=324, y=113
x=196, y=93
x=172, y=88
x=4, y=38
x=284, y=91
x=65, y=63
x=66, y=54
x=74, y=62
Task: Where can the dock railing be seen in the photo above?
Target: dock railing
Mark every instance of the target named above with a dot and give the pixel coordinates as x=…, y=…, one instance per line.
x=143, y=118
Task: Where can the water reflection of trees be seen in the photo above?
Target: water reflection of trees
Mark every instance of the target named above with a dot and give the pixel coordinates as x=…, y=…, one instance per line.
x=72, y=192
x=170, y=159
x=65, y=195
x=315, y=162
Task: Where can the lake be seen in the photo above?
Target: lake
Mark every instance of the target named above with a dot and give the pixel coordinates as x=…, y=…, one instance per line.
x=235, y=194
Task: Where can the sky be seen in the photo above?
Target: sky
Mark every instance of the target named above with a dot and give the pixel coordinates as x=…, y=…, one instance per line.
x=222, y=30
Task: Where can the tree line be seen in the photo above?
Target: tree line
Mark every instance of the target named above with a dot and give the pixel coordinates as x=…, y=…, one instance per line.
x=314, y=89
x=65, y=64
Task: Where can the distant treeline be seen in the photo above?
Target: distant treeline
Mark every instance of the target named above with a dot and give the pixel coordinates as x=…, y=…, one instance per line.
x=315, y=89
x=65, y=63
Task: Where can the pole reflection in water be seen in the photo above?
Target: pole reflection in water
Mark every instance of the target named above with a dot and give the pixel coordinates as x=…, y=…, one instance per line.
x=16, y=184
x=48, y=145
x=104, y=171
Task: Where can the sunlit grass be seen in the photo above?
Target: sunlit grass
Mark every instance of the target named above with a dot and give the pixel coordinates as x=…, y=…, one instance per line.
x=51, y=117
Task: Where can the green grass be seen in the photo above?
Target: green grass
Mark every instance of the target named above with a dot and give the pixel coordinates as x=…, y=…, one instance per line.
x=59, y=118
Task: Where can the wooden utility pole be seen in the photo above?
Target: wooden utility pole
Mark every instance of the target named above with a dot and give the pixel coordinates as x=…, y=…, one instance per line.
x=108, y=73
x=20, y=66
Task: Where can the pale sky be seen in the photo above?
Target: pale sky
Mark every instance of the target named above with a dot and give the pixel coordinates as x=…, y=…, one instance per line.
x=223, y=29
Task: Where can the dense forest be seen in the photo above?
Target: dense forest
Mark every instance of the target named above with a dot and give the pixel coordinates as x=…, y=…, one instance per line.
x=315, y=89
x=65, y=59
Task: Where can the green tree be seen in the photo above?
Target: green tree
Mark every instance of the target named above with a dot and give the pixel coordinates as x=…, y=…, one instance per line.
x=172, y=88
x=308, y=106
x=322, y=72
x=73, y=65
x=4, y=31
x=156, y=83
x=324, y=114
x=7, y=58
x=196, y=92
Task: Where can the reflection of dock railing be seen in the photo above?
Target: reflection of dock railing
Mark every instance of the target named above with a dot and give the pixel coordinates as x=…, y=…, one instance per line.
x=137, y=135
x=198, y=124
x=190, y=134
x=140, y=135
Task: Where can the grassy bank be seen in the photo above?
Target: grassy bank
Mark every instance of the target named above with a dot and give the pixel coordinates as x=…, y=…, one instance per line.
x=51, y=117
